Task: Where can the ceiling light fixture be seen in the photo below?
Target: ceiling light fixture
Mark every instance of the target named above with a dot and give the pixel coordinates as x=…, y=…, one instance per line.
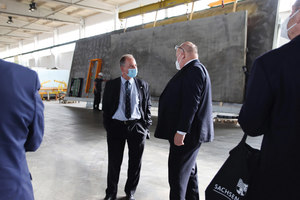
x=32, y=7
x=9, y=21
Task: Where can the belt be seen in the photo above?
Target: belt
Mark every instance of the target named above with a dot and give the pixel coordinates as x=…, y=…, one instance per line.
x=128, y=122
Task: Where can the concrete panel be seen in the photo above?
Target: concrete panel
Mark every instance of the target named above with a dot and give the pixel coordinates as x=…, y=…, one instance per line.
x=262, y=17
x=261, y=29
x=156, y=59
x=221, y=42
x=85, y=50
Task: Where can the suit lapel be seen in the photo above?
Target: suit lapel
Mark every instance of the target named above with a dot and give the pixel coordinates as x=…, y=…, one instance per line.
x=117, y=92
x=118, y=89
x=139, y=89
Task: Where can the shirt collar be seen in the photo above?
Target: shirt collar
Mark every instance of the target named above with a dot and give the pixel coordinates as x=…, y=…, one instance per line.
x=123, y=80
x=189, y=62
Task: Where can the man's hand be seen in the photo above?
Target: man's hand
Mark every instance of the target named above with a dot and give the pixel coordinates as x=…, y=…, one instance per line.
x=178, y=139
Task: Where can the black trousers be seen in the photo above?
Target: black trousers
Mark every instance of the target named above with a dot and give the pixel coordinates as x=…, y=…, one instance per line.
x=183, y=178
x=97, y=100
x=117, y=136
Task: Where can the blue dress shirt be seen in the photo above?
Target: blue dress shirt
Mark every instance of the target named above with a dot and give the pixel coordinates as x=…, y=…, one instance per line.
x=135, y=112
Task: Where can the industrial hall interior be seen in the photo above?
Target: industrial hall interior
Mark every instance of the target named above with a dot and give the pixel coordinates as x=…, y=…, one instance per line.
x=134, y=99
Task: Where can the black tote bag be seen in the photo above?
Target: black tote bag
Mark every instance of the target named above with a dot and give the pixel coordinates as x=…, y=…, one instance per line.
x=233, y=180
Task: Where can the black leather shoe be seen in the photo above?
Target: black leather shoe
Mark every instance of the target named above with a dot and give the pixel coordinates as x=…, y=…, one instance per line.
x=130, y=197
x=110, y=197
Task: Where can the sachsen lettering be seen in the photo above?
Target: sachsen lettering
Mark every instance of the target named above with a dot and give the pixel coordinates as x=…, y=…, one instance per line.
x=225, y=192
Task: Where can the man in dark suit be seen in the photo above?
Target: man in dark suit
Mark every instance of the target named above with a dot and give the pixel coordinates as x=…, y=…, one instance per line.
x=126, y=117
x=271, y=109
x=185, y=119
x=21, y=129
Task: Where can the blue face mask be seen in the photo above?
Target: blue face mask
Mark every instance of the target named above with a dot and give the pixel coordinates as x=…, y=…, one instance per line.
x=132, y=72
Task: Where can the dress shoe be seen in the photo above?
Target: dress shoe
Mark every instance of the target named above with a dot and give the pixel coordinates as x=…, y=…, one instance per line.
x=110, y=197
x=130, y=197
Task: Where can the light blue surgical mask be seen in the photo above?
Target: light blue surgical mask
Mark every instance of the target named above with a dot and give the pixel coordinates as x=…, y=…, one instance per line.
x=132, y=72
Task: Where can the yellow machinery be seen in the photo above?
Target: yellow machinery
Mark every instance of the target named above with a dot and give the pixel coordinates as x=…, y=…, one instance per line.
x=42, y=92
x=57, y=91
x=62, y=87
x=44, y=82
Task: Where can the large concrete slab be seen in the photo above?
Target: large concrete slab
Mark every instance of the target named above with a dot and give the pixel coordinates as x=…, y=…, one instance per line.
x=153, y=48
x=222, y=49
x=262, y=28
x=221, y=42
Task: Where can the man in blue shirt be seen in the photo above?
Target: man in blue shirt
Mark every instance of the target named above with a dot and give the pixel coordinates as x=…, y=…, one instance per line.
x=126, y=117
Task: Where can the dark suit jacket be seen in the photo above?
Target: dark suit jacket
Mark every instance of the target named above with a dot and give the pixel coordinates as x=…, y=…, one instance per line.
x=111, y=98
x=21, y=128
x=186, y=105
x=272, y=108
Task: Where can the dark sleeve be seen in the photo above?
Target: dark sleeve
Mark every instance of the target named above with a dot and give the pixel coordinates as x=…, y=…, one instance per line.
x=148, y=106
x=255, y=111
x=192, y=87
x=36, y=128
x=105, y=104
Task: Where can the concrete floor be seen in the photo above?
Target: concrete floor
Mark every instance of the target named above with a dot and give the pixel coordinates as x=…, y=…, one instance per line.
x=71, y=163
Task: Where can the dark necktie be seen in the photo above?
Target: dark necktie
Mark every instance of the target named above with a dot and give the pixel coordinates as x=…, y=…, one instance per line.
x=127, y=100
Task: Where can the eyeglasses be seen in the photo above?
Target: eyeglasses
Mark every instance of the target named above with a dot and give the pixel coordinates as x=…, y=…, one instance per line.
x=179, y=47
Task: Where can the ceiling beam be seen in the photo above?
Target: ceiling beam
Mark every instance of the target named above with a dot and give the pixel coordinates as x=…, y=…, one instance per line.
x=18, y=9
x=38, y=18
x=94, y=3
x=97, y=9
x=27, y=29
x=5, y=39
x=21, y=9
x=75, y=11
x=18, y=37
x=152, y=7
x=127, y=2
x=100, y=4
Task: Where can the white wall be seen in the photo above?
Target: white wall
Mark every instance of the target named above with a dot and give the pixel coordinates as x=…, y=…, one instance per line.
x=46, y=62
x=59, y=57
x=99, y=24
x=65, y=60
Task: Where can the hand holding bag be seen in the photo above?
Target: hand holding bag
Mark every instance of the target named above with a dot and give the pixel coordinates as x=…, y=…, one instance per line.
x=233, y=180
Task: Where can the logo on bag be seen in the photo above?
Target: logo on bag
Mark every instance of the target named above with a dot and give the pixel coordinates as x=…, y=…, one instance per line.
x=225, y=192
x=241, y=188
